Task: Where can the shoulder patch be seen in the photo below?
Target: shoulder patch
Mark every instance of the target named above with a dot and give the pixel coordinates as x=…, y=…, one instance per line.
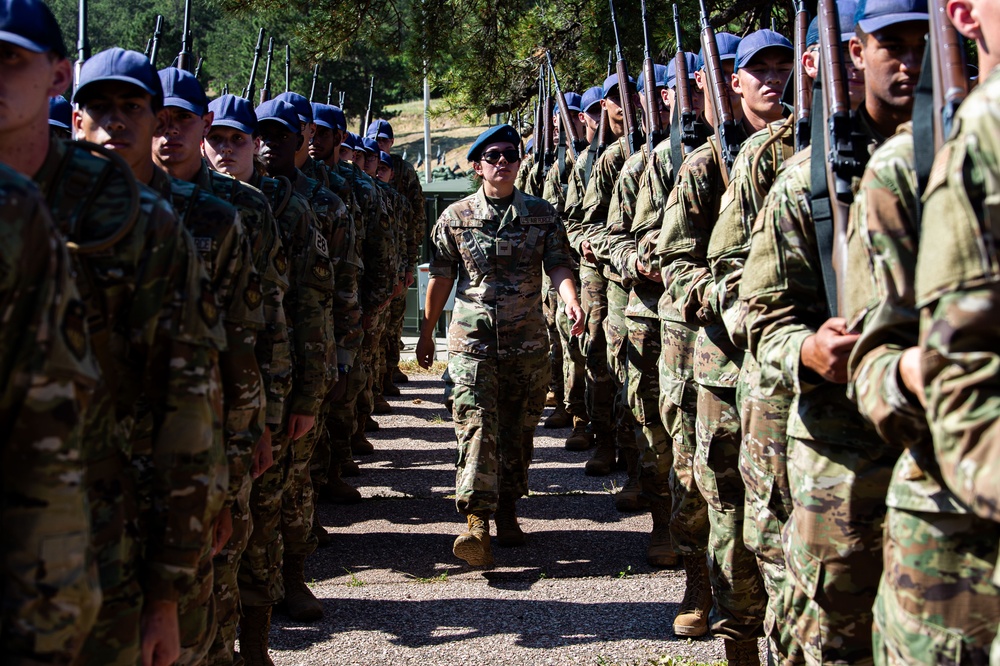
x=207, y=305
x=252, y=295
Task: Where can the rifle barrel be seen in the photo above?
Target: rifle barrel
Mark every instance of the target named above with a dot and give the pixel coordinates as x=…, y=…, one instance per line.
x=654, y=128
x=184, y=57
x=265, y=92
x=724, y=119
x=948, y=65
x=288, y=67
x=568, y=128
x=312, y=90
x=155, y=48
x=803, y=90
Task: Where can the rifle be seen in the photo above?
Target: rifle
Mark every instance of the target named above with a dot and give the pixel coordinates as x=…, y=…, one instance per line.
x=154, y=49
x=725, y=125
x=265, y=92
x=654, y=129
x=288, y=68
x=632, y=130
x=685, y=107
x=312, y=90
x=573, y=142
x=82, y=43
x=329, y=93
x=197, y=68
x=803, y=92
x=368, y=113
x=539, y=123
x=341, y=100
x=248, y=92
x=942, y=87
x=184, y=57
x=602, y=127
x=548, y=109
x=845, y=151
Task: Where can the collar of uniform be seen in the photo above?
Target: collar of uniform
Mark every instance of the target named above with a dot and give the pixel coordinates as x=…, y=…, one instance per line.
x=160, y=182
x=868, y=127
x=52, y=160
x=485, y=212
x=203, y=178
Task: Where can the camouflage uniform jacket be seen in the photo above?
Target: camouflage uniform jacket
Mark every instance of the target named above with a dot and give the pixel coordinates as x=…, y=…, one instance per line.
x=751, y=177
x=498, y=261
x=271, y=263
x=400, y=229
x=50, y=598
x=406, y=182
x=597, y=206
x=379, y=277
x=576, y=190
x=531, y=176
x=309, y=298
x=655, y=186
x=337, y=230
x=786, y=303
x=150, y=296
x=957, y=293
x=317, y=171
x=690, y=216
x=554, y=190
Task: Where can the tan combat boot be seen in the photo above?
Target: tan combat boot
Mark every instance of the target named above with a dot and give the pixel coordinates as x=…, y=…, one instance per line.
x=255, y=627
x=604, y=456
x=550, y=399
x=473, y=545
x=300, y=603
x=742, y=653
x=660, y=552
x=559, y=418
x=381, y=406
x=509, y=533
x=630, y=498
x=580, y=439
x=339, y=491
x=692, y=617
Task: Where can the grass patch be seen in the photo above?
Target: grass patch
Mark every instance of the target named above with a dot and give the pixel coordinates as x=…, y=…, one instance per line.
x=354, y=581
x=410, y=367
x=441, y=578
x=437, y=419
x=626, y=572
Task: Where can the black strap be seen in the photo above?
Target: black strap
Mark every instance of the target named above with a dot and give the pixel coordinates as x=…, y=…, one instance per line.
x=676, y=153
x=923, y=131
x=561, y=162
x=822, y=208
x=588, y=165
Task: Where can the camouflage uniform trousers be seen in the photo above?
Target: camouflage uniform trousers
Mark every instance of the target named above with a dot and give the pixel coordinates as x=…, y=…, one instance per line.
x=373, y=358
x=337, y=420
x=115, y=638
x=550, y=308
x=574, y=364
x=226, y=567
x=689, y=527
x=394, y=334
x=738, y=591
x=497, y=405
x=936, y=602
x=298, y=502
x=764, y=468
x=600, y=385
x=643, y=399
x=616, y=334
x=259, y=573
x=197, y=614
x=833, y=548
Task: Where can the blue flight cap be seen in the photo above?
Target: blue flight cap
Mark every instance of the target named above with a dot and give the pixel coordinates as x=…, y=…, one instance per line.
x=181, y=89
x=60, y=113
x=370, y=145
x=352, y=141
x=302, y=106
x=280, y=112
x=379, y=129
x=693, y=65
x=728, y=44
x=611, y=82
x=572, y=102
x=845, y=9
x=660, y=72
x=325, y=116
x=873, y=15
x=590, y=97
x=756, y=42
x=235, y=112
x=385, y=158
x=495, y=134
x=339, y=118
x=31, y=25
x=117, y=64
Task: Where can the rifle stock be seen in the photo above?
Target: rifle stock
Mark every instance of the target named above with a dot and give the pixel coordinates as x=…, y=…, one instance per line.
x=725, y=125
x=248, y=92
x=573, y=143
x=265, y=92
x=632, y=130
x=803, y=91
x=654, y=128
x=948, y=67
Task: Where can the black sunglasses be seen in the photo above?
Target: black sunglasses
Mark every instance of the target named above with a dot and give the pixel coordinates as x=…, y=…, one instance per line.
x=511, y=155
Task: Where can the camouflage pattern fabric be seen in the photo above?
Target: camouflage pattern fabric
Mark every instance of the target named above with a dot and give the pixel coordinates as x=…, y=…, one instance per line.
x=50, y=582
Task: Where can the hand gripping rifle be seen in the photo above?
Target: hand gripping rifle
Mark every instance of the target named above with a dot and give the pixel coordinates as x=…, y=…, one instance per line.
x=574, y=144
x=632, y=131
x=654, y=129
x=154, y=48
x=718, y=93
x=248, y=92
x=184, y=57
x=837, y=139
x=803, y=92
x=265, y=92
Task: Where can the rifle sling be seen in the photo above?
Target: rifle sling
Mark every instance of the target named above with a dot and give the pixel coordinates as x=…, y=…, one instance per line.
x=923, y=131
x=822, y=207
x=676, y=154
x=588, y=165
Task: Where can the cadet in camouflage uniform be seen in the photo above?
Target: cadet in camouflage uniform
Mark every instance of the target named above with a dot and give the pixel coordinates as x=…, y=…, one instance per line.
x=497, y=343
x=941, y=527
x=225, y=251
x=837, y=465
x=50, y=582
x=407, y=184
x=162, y=298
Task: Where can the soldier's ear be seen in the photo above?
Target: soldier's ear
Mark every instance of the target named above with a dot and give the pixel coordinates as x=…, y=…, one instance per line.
x=962, y=17
x=62, y=77
x=208, y=118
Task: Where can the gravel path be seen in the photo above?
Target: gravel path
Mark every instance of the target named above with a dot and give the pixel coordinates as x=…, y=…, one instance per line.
x=580, y=592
